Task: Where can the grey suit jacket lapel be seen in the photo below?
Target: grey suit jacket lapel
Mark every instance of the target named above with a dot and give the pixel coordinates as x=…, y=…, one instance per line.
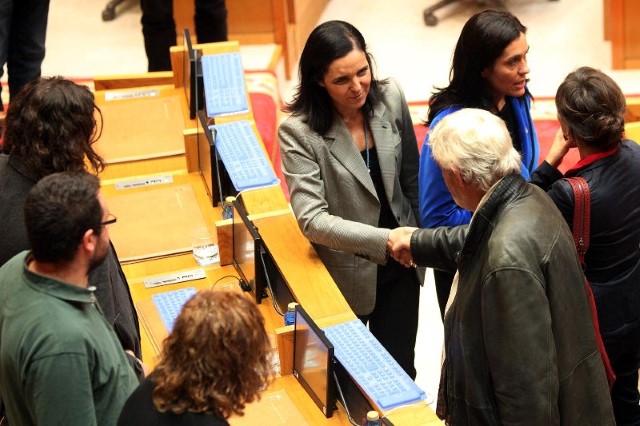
x=344, y=150
x=383, y=137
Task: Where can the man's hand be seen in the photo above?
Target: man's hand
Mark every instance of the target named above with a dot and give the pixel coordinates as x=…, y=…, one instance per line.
x=398, y=245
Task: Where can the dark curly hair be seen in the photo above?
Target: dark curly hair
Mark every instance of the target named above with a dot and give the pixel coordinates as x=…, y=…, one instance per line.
x=216, y=359
x=51, y=127
x=592, y=106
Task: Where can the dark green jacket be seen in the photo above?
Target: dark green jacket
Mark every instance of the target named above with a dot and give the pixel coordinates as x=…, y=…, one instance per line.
x=60, y=361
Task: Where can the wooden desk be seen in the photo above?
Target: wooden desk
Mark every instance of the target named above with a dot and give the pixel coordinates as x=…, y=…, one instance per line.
x=138, y=121
x=296, y=259
x=302, y=269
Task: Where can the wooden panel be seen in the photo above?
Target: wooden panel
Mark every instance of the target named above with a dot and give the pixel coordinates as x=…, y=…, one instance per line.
x=631, y=32
x=299, y=264
x=151, y=166
x=617, y=33
x=623, y=27
x=124, y=81
x=307, y=13
x=607, y=19
x=250, y=16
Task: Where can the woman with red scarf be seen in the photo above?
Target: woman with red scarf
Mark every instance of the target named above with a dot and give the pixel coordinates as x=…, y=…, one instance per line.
x=591, y=110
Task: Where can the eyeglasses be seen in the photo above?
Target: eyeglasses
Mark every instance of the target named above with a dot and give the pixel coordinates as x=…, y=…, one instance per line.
x=111, y=219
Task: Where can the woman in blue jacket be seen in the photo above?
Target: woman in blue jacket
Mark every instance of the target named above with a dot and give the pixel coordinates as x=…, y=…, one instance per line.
x=489, y=71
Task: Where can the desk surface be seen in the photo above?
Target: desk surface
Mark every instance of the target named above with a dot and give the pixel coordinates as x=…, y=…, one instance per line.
x=297, y=261
x=136, y=274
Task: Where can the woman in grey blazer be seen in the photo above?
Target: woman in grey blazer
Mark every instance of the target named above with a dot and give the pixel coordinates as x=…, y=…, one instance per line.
x=350, y=158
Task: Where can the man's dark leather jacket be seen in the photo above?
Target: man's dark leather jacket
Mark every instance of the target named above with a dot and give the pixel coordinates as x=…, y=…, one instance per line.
x=519, y=340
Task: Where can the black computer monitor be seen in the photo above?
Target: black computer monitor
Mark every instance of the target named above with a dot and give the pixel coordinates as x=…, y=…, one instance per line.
x=192, y=75
x=215, y=176
x=313, y=362
x=246, y=249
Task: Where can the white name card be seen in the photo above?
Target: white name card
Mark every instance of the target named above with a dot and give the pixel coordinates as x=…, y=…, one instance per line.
x=141, y=182
x=178, y=277
x=112, y=96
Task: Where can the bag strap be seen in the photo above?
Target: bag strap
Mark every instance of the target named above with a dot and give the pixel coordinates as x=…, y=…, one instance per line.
x=581, y=215
x=581, y=239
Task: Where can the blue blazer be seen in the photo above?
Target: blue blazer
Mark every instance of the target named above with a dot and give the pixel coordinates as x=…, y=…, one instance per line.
x=436, y=205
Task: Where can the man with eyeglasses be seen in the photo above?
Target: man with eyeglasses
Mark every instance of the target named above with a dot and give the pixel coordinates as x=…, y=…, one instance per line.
x=60, y=361
x=52, y=126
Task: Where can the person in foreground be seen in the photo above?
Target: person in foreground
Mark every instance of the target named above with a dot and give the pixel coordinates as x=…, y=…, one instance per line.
x=591, y=110
x=60, y=361
x=489, y=71
x=350, y=158
x=51, y=127
x=520, y=347
x=216, y=360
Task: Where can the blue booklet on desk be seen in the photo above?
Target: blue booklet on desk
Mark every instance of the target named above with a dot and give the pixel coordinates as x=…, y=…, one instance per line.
x=224, y=88
x=242, y=155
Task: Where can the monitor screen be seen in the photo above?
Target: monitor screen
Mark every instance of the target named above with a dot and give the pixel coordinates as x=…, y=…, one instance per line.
x=246, y=247
x=313, y=361
x=215, y=176
x=192, y=75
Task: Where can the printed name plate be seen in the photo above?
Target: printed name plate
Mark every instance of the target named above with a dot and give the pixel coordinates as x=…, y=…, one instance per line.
x=178, y=277
x=150, y=181
x=112, y=96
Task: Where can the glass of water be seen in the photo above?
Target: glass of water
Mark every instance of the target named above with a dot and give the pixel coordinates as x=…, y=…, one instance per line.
x=205, y=250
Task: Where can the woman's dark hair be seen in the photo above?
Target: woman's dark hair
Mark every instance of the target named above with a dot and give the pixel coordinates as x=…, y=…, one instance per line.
x=327, y=42
x=592, y=106
x=58, y=211
x=216, y=359
x=51, y=127
x=482, y=40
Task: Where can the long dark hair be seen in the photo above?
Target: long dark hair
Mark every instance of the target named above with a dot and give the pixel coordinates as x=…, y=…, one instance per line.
x=482, y=40
x=326, y=43
x=51, y=127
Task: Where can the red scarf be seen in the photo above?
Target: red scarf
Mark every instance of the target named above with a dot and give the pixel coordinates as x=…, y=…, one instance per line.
x=589, y=159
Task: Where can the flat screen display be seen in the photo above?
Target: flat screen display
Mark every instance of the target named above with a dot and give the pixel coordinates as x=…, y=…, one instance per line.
x=313, y=361
x=246, y=245
x=214, y=174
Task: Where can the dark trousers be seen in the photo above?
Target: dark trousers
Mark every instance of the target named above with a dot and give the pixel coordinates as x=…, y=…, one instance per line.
x=23, y=28
x=159, y=28
x=443, y=281
x=394, y=319
x=624, y=354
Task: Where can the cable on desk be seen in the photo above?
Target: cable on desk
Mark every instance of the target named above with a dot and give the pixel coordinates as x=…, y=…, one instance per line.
x=344, y=403
x=222, y=278
x=273, y=296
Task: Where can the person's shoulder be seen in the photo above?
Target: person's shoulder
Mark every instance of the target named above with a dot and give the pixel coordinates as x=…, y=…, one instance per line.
x=631, y=146
x=15, y=263
x=295, y=126
x=390, y=87
x=294, y=121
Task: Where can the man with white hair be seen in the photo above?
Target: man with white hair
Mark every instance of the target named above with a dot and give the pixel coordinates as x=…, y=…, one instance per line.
x=520, y=347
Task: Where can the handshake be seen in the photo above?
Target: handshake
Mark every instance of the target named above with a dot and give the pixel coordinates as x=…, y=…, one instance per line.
x=399, y=245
